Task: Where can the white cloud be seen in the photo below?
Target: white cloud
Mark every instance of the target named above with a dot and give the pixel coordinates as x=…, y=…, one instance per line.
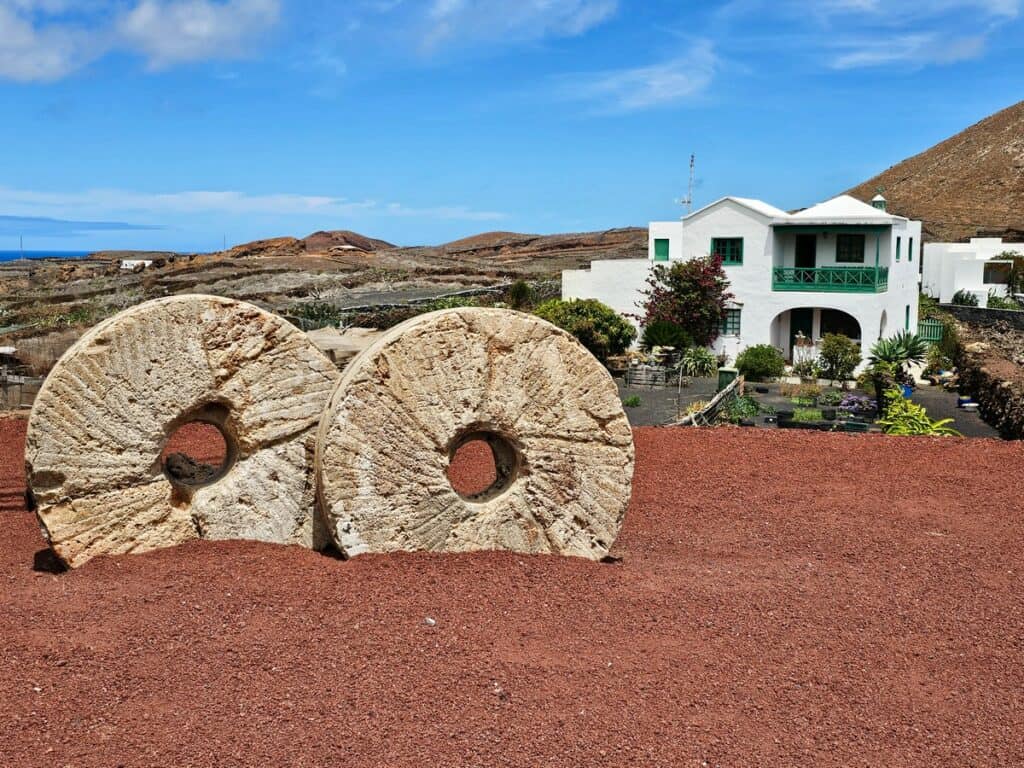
x=461, y=22
x=916, y=50
x=28, y=53
x=120, y=202
x=45, y=40
x=189, y=30
x=626, y=90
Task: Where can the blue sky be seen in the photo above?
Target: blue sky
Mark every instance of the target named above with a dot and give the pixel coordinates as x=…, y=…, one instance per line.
x=179, y=123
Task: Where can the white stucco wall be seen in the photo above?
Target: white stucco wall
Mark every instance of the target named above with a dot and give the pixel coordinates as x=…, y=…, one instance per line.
x=951, y=267
x=618, y=283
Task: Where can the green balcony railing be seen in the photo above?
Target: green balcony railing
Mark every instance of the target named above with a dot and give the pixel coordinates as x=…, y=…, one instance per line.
x=831, y=279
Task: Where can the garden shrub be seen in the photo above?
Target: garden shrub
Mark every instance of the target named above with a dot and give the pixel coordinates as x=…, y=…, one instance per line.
x=633, y=401
x=692, y=294
x=597, y=326
x=964, y=298
x=838, y=356
x=519, y=295
x=903, y=417
x=760, y=362
x=665, y=333
x=998, y=301
x=698, y=361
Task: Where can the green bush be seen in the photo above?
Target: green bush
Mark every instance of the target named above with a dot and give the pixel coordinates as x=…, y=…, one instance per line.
x=665, y=333
x=698, y=361
x=739, y=408
x=519, y=295
x=965, y=299
x=760, y=362
x=448, y=302
x=927, y=307
x=998, y=301
x=903, y=417
x=598, y=327
x=633, y=401
x=838, y=356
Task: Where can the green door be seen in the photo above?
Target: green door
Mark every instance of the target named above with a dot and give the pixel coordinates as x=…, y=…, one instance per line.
x=661, y=249
x=800, y=321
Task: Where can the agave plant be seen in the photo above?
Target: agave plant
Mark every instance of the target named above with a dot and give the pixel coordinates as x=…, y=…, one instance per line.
x=905, y=348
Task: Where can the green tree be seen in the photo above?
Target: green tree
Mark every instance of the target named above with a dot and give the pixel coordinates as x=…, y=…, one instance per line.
x=692, y=294
x=760, y=362
x=597, y=326
x=838, y=356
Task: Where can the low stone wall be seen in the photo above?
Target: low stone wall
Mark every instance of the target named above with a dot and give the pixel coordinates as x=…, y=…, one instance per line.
x=994, y=381
x=983, y=318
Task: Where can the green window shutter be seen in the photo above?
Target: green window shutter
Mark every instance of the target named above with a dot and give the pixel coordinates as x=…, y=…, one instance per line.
x=730, y=325
x=661, y=249
x=910, y=250
x=907, y=324
x=898, y=239
x=729, y=249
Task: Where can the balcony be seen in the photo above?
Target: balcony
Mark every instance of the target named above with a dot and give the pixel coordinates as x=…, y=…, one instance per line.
x=831, y=279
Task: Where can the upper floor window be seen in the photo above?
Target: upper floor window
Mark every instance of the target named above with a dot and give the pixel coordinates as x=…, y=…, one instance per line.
x=899, y=241
x=730, y=249
x=661, y=249
x=910, y=250
x=849, y=249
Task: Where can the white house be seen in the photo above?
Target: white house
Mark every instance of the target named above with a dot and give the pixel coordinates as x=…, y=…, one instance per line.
x=842, y=266
x=973, y=267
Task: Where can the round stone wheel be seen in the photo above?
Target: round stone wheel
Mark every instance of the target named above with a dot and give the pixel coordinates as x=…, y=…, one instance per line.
x=563, y=449
x=105, y=413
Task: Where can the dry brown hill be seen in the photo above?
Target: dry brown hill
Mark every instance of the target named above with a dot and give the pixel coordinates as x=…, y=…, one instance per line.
x=970, y=184
x=323, y=242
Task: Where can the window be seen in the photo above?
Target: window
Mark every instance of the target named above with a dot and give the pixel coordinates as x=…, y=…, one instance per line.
x=910, y=250
x=730, y=323
x=996, y=274
x=661, y=249
x=729, y=248
x=907, y=322
x=898, y=243
x=849, y=249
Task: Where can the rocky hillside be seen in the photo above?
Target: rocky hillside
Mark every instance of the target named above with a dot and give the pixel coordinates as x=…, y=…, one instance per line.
x=970, y=184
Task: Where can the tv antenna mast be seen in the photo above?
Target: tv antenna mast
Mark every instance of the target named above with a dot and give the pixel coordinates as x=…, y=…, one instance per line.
x=688, y=200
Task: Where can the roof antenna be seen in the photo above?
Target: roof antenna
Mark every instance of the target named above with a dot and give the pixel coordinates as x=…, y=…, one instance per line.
x=688, y=200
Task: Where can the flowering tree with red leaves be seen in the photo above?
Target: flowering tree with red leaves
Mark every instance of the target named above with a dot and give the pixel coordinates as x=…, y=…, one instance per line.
x=692, y=294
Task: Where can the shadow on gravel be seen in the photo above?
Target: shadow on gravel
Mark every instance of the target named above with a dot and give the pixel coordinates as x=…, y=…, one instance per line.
x=44, y=561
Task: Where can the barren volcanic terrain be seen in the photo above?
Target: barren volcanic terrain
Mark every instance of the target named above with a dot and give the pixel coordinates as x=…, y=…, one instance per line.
x=781, y=599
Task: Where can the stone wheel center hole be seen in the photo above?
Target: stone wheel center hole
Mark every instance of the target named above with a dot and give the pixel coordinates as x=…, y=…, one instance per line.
x=482, y=465
x=196, y=454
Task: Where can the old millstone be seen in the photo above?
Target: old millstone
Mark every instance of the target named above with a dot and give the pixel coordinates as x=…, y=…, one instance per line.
x=550, y=412
x=105, y=412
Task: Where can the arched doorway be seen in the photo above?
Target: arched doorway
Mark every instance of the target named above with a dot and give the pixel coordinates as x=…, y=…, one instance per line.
x=812, y=323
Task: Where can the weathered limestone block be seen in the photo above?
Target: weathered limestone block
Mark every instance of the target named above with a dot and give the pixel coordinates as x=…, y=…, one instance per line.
x=551, y=413
x=105, y=413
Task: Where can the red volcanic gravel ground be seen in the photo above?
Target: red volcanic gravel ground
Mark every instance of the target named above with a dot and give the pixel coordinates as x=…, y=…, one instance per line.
x=782, y=599
x=200, y=441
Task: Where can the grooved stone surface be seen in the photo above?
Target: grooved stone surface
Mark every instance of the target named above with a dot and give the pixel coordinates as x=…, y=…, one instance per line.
x=403, y=405
x=101, y=420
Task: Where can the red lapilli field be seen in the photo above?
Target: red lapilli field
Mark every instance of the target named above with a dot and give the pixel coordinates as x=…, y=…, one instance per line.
x=782, y=599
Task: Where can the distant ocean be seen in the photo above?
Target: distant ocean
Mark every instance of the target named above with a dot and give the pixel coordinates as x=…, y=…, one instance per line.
x=12, y=255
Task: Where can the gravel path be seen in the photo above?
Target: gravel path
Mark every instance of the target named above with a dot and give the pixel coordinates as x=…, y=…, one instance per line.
x=782, y=599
